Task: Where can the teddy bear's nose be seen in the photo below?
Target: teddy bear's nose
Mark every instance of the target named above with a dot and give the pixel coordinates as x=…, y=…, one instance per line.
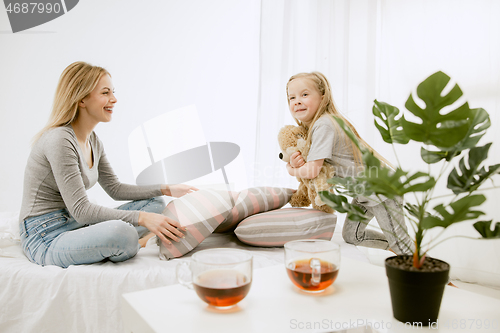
x=281, y=156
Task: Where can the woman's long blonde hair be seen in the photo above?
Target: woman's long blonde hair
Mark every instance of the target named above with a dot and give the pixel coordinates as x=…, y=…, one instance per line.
x=76, y=83
x=327, y=106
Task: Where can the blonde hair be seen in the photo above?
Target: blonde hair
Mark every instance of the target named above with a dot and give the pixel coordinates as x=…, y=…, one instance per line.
x=76, y=82
x=327, y=106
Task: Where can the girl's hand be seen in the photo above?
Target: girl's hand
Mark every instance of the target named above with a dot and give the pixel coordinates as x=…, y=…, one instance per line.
x=296, y=160
x=178, y=190
x=161, y=226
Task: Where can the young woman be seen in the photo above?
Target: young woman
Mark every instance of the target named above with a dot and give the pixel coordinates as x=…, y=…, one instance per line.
x=59, y=225
x=311, y=105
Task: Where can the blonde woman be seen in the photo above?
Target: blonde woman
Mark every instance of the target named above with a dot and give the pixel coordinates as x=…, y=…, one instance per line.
x=59, y=225
x=311, y=105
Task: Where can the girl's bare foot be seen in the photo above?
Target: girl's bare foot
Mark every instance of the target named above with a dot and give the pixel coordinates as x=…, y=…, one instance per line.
x=145, y=239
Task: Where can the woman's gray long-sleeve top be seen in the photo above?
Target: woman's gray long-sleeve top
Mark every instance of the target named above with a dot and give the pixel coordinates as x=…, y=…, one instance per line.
x=57, y=177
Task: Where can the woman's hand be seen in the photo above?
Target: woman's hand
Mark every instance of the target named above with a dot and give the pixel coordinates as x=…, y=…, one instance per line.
x=161, y=226
x=296, y=160
x=178, y=190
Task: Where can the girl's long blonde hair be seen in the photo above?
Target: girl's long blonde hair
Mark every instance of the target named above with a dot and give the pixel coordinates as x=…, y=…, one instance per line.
x=327, y=106
x=76, y=83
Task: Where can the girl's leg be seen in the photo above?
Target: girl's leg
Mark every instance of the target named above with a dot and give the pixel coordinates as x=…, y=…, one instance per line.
x=153, y=205
x=390, y=218
x=113, y=240
x=355, y=232
x=389, y=215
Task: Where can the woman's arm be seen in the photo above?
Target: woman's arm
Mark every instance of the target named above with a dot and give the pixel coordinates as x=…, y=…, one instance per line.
x=309, y=170
x=61, y=152
x=121, y=191
x=177, y=190
x=162, y=226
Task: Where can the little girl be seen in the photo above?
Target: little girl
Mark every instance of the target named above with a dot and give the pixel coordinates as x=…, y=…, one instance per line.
x=311, y=105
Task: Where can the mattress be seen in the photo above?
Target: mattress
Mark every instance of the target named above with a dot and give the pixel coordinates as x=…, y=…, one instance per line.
x=86, y=298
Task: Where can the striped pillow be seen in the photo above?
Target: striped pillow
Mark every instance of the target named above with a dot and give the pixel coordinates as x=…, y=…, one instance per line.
x=201, y=212
x=255, y=200
x=277, y=227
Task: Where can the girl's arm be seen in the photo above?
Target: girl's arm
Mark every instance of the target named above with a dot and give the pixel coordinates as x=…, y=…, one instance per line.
x=309, y=170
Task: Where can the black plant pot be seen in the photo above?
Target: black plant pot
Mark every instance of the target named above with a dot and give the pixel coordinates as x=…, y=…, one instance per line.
x=416, y=295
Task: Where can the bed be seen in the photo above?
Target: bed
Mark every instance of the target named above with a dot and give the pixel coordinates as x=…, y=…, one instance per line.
x=86, y=298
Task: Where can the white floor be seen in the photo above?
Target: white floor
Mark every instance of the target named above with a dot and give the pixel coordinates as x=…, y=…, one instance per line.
x=377, y=257
x=475, y=288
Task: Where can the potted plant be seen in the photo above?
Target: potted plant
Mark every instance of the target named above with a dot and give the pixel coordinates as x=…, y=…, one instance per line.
x=417, y=281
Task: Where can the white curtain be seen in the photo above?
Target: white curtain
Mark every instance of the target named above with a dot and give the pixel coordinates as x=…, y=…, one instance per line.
x=336, y=38
x=378, y=49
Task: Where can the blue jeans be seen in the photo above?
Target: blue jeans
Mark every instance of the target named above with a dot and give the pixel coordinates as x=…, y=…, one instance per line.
x=57, y=239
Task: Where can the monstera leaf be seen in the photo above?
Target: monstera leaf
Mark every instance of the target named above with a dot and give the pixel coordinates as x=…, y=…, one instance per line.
x=342, y=205
x=478, y=122
x=483, y=227
x=396, y=183
x=392, y=125
x=471, y=177
x=440, y=130
x=431, y=157
x=446, y=128
x=351, y=186
x=461, y=211
x=382, y=180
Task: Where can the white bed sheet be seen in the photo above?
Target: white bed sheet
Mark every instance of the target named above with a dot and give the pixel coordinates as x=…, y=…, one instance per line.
x=86, y=298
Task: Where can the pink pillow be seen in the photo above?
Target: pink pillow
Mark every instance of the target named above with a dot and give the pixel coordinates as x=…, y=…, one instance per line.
x=206, y=211
x=255, y=200
x=279, y=226
x=201, y=212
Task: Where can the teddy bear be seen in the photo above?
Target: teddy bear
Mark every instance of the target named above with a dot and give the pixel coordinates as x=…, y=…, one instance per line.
x=292, y=139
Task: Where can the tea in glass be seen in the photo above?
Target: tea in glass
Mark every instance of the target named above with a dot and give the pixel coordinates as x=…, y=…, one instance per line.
x=220, y=277
x=222, y=288
x=301, y=273
x=311, y=264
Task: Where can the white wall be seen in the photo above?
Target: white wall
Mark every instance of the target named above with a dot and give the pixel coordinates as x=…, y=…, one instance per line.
x=460, y=38
x=162, y=54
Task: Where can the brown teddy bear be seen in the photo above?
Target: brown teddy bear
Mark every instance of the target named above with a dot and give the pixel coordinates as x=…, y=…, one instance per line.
x=292, y=139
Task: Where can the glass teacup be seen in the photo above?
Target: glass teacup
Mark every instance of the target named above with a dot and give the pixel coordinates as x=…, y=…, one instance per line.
x=220, y=277
x=312, y=264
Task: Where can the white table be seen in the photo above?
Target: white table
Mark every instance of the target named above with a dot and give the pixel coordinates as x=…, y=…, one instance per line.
x=359, y=297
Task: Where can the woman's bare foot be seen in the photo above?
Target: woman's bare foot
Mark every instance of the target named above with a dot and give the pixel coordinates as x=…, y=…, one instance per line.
x=145, y=239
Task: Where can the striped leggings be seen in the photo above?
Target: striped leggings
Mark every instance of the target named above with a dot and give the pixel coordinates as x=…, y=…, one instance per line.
x=389, y=215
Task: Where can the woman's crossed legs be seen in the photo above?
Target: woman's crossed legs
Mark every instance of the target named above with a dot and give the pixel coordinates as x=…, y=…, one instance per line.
x=66, y=243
